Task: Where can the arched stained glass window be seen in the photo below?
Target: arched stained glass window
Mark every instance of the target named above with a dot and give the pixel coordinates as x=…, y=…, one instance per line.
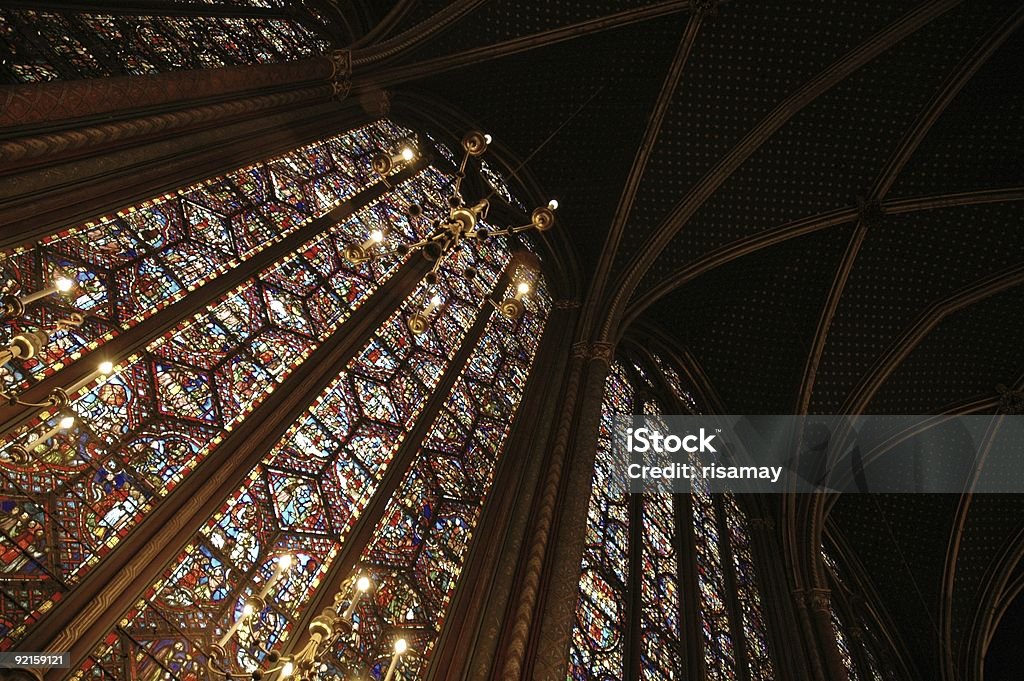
x=141, y=431
x=702, y=534
x=347, y=484
x=41, y=45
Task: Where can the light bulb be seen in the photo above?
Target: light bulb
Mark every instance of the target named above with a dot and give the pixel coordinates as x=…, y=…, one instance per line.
x=376, y=236
x=277, y=306
x=407, y=153
x=66, y=422
x=363, y=583
x=247, y=610
x=287, y=669
x=63, y=284
x=401, y=646
x=553, y=204
x=487, y=138
x=285, y=561
x=436, y=300
x=523, y=288
x=106, y=367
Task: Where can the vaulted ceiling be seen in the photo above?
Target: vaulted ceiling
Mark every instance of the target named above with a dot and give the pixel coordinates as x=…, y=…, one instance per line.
x=829, y=217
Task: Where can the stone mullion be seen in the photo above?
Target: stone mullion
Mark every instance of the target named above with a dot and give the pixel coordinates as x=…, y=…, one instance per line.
x=736, y=626
x=633, y=648
x=467, y=645
x=43, y=48
x=689, y=590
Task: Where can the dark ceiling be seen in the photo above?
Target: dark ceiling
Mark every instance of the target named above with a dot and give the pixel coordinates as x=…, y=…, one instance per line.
x=752, y=319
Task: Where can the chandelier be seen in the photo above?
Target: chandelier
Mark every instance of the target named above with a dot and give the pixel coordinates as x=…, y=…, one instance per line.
x=461, y=223
x=334, y=624
x=29, y=344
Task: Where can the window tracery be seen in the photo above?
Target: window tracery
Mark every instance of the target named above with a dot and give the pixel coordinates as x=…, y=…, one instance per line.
x=734, y=641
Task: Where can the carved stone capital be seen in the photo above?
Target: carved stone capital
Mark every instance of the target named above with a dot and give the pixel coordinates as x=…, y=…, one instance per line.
x=819, y=600
x=602, y=351
x=580, y=349
x=1011, y=402
x=341, y=73
x=341, y=64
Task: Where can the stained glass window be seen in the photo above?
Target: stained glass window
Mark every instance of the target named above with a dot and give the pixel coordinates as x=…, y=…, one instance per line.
x=598, y=639
x=728, y=613
x=866, y=668
x=129, y=265
x=311, y=489
x=46, y=45
x=143, y=430
x=421, y=542
x=345, y=481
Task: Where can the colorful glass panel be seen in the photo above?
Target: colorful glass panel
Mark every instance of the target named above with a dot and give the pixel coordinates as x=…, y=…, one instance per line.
x=176, y=400
x=419, y=547
x=597, y=647
x=45, y=45
x=129, y=265
x=659, y=591
x=748, y=596
x=318, y=479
